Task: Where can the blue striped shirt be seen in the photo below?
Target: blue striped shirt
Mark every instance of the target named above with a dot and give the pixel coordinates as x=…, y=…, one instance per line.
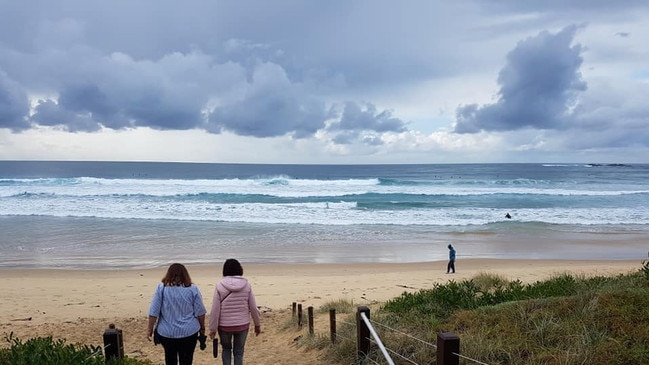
x=177, y=310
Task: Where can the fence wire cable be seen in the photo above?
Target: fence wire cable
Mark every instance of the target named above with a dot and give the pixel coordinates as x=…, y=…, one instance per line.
x=470, y=359
x=422, y=341
x=398, y=354
x=378, y=339
x=405, y=334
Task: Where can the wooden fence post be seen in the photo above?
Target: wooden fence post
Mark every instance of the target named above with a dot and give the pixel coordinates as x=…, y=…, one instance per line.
x=310, y=314
x=113, y=343
x=299, y=315
x=332, y=324
x=294, y=307
x=362, y=334
x=448, y=345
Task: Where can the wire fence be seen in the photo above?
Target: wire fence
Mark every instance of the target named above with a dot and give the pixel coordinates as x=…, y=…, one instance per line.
x=370, y=332
x=395, y=353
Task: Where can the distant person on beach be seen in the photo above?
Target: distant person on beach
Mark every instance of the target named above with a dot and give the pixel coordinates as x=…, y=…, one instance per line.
x=451, y=259
x=177, y=307
x=508, y=216
x=232, y=306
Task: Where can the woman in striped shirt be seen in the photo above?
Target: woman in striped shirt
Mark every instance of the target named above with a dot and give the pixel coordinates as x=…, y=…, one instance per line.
x=178, y=308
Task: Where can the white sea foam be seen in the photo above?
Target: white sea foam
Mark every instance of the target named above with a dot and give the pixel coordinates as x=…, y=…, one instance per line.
x=142, y=214
x=295, y=188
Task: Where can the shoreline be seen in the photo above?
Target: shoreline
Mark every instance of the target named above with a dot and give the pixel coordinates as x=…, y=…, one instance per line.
x=95, y=244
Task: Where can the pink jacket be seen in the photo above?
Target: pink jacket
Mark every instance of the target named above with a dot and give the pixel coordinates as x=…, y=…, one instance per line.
x=233, y=304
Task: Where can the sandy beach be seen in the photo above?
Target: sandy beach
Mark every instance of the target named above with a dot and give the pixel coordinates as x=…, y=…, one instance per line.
x=78, y=305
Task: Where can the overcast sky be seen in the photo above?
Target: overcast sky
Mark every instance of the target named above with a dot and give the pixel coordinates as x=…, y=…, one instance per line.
x=336, y=81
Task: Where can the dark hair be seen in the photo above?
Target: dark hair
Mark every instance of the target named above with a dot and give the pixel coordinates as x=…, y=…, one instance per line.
x=177, y=275
x=232, y=267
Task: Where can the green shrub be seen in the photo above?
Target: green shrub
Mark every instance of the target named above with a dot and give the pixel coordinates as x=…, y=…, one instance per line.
x=444, y=299
x=47, y=351
x=560, y=285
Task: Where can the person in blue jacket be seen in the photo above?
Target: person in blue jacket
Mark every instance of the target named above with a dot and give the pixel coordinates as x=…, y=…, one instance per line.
x=451, y=260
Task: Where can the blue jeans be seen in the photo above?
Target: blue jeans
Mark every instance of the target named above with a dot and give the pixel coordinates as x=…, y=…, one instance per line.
x=233, y=343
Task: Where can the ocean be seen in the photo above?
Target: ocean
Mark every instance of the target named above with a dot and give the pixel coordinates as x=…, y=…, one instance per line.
x=99, y=215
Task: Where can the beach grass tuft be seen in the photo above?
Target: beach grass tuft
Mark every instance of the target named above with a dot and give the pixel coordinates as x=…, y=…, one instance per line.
x=645, y=267
x=341, y=306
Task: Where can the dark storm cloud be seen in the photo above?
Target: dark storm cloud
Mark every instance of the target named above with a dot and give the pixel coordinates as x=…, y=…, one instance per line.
x=270, y=105
x=364, y=123
x=14, y=104
x=87, y=108
x=217, y=75
x=49, y=113
x=354, y=117
x=538, y=85
x=620, y=122
x=95, y=65
x=119, y=96
x=269, y=115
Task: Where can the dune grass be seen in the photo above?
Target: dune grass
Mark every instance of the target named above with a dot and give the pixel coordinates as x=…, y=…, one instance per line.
x=563, y=320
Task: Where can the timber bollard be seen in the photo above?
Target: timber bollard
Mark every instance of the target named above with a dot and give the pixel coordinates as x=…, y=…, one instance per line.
x=294, y=306
x=362, y=334
x=310, y=315
x=448, y=345
x=299, y=315
x=113, y=343
x=332, y=324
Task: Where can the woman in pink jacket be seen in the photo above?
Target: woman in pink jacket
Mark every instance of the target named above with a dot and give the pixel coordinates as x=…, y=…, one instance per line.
x=232, y=306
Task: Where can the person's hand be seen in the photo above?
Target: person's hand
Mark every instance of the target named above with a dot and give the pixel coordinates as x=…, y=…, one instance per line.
x=212, y=334
x=149, y=334
x=257, y=330
x=202, y=339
